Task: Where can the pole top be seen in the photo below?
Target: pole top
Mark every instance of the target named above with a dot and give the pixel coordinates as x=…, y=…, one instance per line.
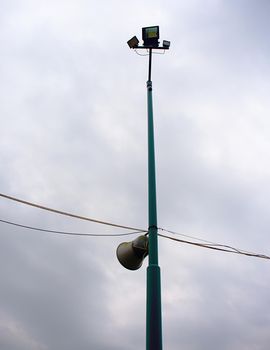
x=150, y=37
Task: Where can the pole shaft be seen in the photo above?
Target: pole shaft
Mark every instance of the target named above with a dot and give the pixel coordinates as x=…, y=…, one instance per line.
x=153, y=311
x=150, y=65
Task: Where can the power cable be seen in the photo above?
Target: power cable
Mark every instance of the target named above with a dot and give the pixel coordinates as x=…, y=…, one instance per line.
x=209, y=243
x=219, y=247
x=159, y=53
x=141, y=54
x=69, y=233
x=70, y=214
x=185, y=235
x=147, y=54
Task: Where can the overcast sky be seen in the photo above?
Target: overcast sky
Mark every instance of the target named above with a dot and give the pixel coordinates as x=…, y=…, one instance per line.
x=74, y=138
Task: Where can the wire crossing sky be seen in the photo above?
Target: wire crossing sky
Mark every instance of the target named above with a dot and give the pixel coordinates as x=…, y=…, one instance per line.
x=68, y=214
x=69, y=233
x=214, y=246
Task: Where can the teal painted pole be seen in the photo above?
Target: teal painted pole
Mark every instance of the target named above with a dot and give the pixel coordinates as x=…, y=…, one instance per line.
x=153, y=294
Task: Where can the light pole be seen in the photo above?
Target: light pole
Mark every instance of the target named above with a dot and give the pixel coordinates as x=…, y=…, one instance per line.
x=153, y=310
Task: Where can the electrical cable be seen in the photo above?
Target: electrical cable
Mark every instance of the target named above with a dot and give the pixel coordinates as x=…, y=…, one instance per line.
x=159, y=53
x=185, y=235
x=219, y=247
x=140, y=54
x=70, y=233
x=70, y=214
x=147, y=54
x=209, y=243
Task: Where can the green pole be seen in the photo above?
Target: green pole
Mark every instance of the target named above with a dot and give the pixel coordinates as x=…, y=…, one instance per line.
x=153, y=301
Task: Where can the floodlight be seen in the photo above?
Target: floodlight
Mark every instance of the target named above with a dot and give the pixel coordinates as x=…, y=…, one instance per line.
x=133, y=42
x=150, y=36
x=166, y=44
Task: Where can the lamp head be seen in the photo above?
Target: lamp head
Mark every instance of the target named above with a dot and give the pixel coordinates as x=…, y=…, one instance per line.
x=150, y=36
x=133, y=42
x=166, y=44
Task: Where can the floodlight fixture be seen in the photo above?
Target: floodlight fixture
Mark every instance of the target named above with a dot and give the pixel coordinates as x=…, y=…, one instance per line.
x=166, y=44
x=133, y=42
x=150, y=36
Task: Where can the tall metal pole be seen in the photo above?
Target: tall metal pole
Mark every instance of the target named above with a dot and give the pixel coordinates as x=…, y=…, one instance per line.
x=153, y=302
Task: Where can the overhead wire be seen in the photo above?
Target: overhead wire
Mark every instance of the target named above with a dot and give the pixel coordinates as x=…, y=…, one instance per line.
x=206, y=244
x=209, y=243
x=70, y=214
x=185, y=235
x=70, y=233
x=219, y=247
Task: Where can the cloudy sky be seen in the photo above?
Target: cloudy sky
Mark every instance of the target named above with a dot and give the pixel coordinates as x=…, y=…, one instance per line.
x=74, y=138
